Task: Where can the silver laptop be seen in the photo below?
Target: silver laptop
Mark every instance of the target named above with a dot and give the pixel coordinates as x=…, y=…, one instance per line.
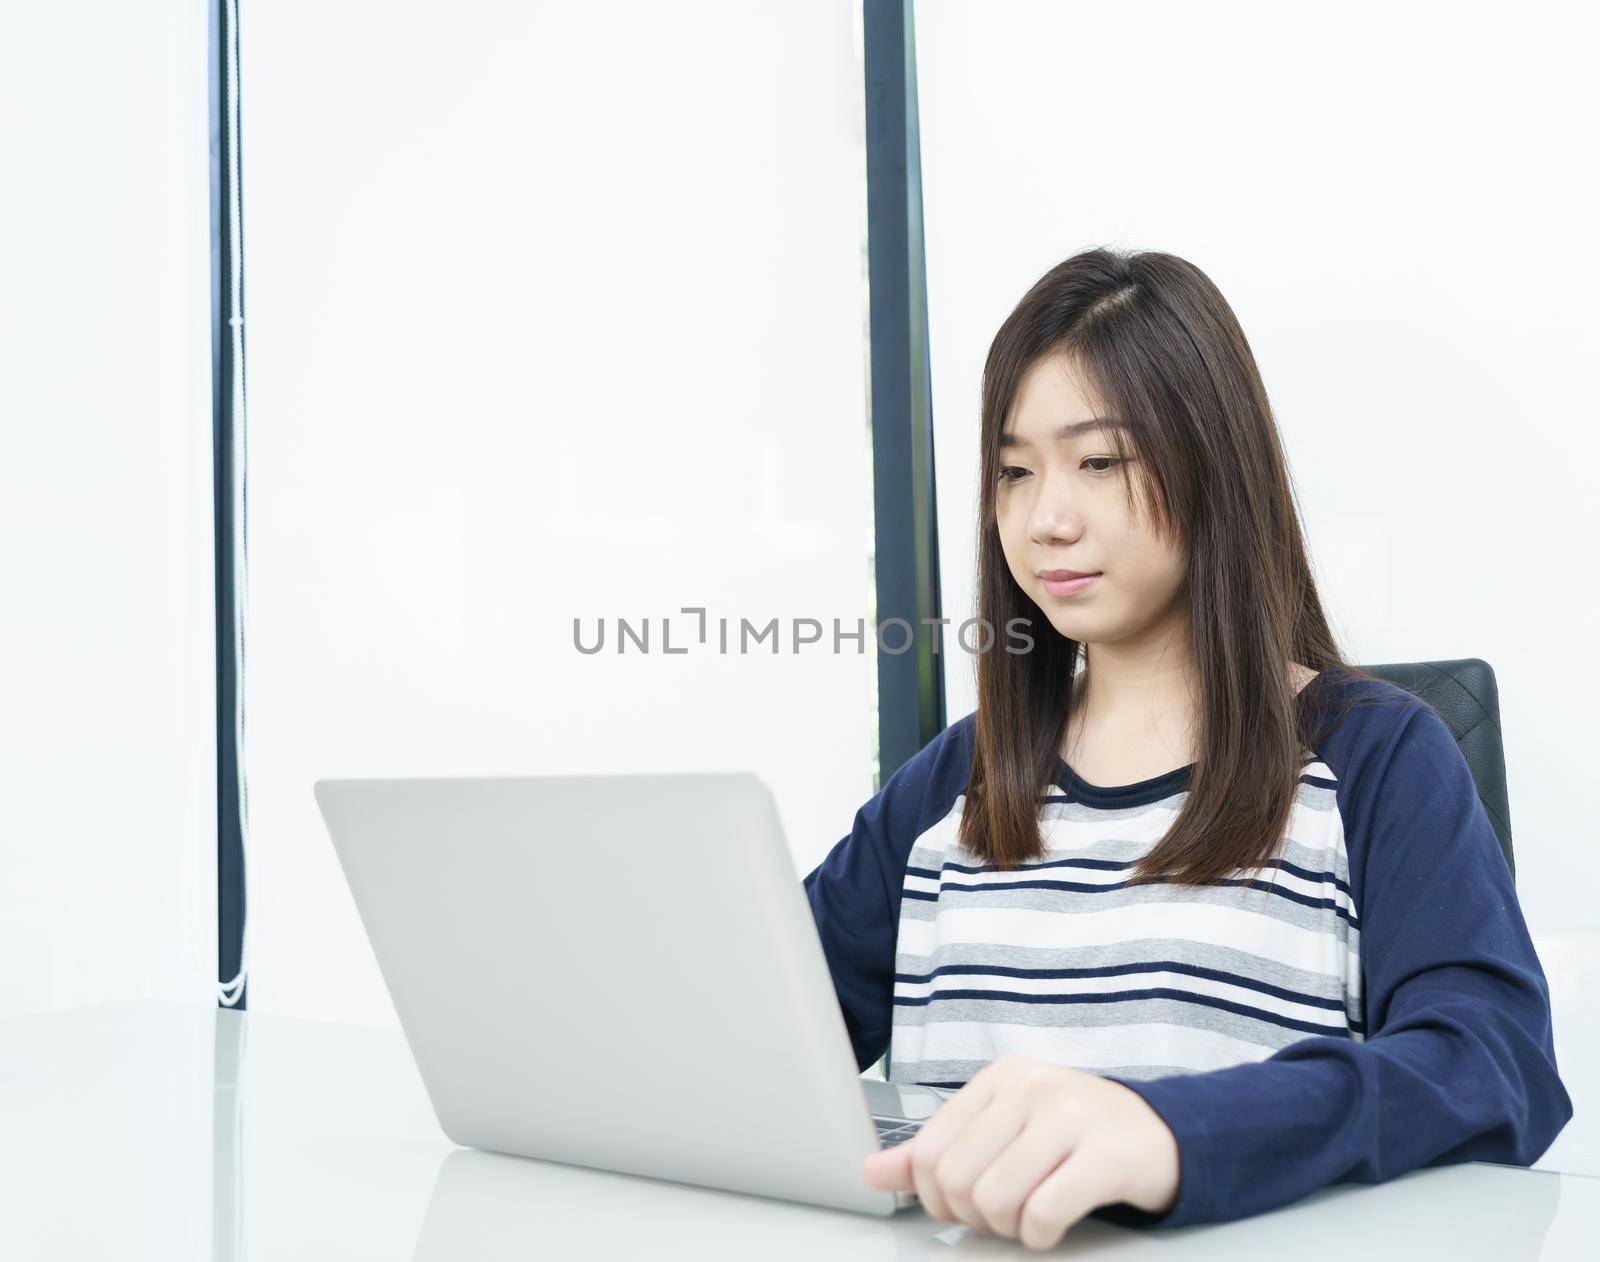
x=617, y=971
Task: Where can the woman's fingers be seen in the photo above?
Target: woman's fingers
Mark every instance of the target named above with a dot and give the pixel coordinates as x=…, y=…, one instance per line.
x=969, y=1154
x=1015, y=1173
x=928, y=1145
x=1071, y=1190
x=889, y=1169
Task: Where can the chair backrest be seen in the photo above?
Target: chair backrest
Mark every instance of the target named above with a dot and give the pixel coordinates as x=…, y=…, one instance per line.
x=1464, y=694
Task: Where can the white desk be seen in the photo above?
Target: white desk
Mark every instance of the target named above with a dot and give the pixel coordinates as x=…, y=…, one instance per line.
x=1571, y=961
x=154, y=1130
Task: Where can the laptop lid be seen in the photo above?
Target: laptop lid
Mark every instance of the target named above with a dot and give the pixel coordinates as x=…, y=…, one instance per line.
x=617, y=971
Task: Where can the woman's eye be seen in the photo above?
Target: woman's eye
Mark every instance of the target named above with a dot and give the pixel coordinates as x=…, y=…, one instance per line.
x=1013, y=473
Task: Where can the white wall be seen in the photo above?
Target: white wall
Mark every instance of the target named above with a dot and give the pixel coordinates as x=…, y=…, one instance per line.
x=554, y=311
x=1399, y=202
x=107, y=754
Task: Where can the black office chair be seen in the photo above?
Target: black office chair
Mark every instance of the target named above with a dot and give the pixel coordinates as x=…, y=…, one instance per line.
x=1466, y=697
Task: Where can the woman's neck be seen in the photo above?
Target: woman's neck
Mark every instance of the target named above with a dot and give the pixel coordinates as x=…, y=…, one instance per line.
x=1138, y=685
x=1147, y=711
x=1131, y=721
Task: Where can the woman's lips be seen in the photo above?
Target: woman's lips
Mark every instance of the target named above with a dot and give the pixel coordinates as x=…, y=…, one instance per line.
x=1067, y=587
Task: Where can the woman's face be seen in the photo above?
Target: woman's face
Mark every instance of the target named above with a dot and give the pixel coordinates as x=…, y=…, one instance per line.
x=1060, y=504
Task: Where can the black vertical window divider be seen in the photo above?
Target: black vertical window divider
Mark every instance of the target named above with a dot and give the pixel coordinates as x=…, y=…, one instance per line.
x=911, y=700
x=227, y=420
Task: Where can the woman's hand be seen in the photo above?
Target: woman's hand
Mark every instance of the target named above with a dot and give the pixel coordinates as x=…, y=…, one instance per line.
x=1027, y=1148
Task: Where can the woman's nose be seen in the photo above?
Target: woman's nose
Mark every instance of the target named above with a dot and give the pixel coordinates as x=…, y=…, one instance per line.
x=1053, y=519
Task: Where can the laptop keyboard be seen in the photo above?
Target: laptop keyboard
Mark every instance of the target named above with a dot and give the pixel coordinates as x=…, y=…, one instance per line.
x=895, y=1130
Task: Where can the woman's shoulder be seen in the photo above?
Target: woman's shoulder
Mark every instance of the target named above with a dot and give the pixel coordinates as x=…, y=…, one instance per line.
x=1351, y=690
x=954, y=742
x=1356, y=720
x=1408, y=801
x=938, y=771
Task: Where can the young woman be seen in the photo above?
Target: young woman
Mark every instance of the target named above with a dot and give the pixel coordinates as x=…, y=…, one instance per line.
x=1196, y=916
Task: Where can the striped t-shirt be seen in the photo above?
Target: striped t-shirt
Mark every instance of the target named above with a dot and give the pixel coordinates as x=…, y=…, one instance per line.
x=1368, y=1002
x=1062, y=960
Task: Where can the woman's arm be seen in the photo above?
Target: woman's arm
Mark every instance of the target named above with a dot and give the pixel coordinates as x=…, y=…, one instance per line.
x=855, y=893
x=1459, y=1063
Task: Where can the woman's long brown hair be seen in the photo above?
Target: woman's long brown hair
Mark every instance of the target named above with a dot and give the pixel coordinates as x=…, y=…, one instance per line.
x=1158, y=346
